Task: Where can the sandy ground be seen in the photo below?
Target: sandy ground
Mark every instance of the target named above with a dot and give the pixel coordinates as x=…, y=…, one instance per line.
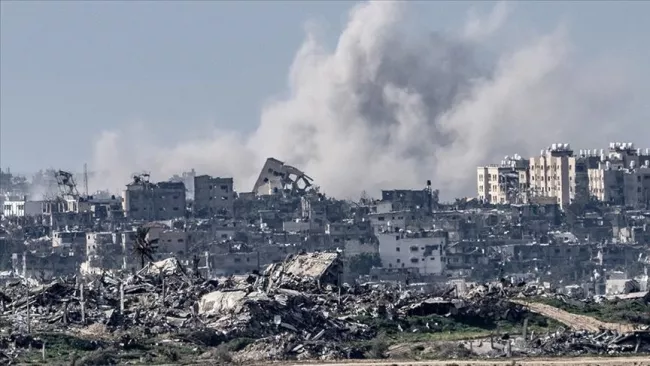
x=578, y=361
x=575, y=321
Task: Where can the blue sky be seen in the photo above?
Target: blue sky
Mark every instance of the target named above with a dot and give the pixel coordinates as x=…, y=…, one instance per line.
x=70, y=70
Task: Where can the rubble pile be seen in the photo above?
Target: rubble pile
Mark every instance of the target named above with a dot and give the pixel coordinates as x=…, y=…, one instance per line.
x=576, y=343
x=294, y=310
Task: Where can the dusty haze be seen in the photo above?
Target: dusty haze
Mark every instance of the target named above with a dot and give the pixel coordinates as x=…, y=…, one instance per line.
x=390, y=108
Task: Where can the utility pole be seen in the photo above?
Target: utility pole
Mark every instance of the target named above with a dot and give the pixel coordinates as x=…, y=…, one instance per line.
x=29, y=323
x=86, y=180
x=82, y=303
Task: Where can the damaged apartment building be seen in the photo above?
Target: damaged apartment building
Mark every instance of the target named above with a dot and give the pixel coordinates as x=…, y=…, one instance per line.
x=144, y=200
x=617, y=176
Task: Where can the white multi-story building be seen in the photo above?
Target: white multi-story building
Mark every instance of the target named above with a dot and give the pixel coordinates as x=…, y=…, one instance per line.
x=21, y=207
x=505, y=183
x=421, y=250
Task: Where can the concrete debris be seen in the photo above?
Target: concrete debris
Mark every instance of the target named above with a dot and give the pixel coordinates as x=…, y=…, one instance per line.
x=294, y=310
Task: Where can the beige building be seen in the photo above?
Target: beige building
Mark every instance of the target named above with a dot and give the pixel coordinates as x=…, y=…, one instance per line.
x=213, y=195
x=553, y=174
x=505, y=183
x=622, y=176
x=606, y=183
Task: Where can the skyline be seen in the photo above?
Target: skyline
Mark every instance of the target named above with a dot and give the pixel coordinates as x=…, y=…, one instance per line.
x=87, y=100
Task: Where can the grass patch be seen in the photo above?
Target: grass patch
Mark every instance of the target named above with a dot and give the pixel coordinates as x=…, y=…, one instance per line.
x=66, y=349
x=617, y=311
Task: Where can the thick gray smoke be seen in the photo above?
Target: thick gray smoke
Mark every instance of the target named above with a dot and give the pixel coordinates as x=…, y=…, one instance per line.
x=388, y=108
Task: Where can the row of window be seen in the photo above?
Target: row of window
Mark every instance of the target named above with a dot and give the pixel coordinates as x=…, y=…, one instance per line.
x=18, y=207
x=135, y=209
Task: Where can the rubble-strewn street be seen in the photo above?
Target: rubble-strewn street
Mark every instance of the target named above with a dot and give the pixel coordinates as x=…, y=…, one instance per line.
x=295, y=310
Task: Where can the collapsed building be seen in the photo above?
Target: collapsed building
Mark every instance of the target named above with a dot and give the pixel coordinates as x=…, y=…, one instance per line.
x=297, y=309
x=276, y=176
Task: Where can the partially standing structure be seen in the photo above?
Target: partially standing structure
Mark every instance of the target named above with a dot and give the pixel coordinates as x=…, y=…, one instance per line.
x=144, y=200
x=276, y=177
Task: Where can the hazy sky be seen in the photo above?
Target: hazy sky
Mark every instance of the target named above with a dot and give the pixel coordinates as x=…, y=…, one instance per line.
x=70, y=70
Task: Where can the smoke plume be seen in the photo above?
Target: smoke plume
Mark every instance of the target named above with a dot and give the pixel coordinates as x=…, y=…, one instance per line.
x=390, y=108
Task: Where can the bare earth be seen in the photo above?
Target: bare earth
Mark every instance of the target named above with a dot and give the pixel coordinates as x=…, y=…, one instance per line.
x=578, y=361
x=575, y=321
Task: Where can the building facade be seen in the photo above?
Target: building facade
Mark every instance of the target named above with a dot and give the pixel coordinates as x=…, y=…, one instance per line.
x=213, y=196
x=505, y=183
x=622, y=176
x=553, y=174
x=154, y=201
x=422, y=250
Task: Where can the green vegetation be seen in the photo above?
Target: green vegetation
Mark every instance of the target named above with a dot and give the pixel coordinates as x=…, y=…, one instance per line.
x=66, y=349
x=618, y=311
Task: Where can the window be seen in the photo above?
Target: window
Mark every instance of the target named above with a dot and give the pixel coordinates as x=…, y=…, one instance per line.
x=397, y=249
x=415, y=260
x=381, y=218
x=398, y=260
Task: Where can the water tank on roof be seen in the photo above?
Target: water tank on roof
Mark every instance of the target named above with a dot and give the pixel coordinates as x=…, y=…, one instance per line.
x=553, y=146
x=612, y=145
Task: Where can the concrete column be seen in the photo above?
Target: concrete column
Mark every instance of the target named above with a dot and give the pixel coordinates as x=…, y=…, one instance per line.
x=82, y=303
x=525, y=331
x=121, y=298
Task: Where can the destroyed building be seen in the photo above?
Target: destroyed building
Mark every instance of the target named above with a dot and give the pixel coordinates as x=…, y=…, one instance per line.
x=276, y=177
x=312, y=274
x=213, y=196
x=144, y=200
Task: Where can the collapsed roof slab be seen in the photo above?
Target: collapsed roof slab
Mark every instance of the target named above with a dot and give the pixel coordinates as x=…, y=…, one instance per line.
x=277, y=176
